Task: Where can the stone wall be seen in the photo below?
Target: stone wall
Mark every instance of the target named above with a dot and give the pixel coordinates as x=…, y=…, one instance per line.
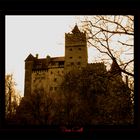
x=50, y=80
x=75, y=50
x=28, y=78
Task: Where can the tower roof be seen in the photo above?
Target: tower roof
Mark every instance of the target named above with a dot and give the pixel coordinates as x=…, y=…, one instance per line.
x=75, y=29
x=115, y=67
x=30, y=57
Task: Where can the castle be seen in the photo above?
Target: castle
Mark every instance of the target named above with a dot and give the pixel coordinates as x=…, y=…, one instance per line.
x=48, y=73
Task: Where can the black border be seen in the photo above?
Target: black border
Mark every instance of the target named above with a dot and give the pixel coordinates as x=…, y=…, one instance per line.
x=69, y=8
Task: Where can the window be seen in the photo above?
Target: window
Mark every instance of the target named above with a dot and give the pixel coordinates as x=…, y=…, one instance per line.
x=79, y=49
x=78, y=63
x=51, y=88
x=80, y=57
x=70, y=57
x=51, y=72
x=55, y=88
x=70, y=49
x=61, y=63
x=72, y=63
x=52, y=63
x=55, y=79
x=58, y=71
x=39, y=65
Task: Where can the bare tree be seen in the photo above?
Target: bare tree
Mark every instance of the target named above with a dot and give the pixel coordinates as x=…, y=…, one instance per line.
x=113, y=37
x=12, y=97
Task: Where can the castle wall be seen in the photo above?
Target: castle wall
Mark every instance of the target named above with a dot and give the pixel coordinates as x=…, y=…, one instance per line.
x=75, y=56
x=28, y=78
x=49, y=73
x=49, y=80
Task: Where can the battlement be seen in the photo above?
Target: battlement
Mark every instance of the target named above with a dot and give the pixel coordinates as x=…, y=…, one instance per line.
x=72, y=39
x=44, y=63
x=98, y=66
x=75, y=38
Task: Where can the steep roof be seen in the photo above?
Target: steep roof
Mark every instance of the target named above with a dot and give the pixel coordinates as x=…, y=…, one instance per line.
x=30, y=57
x=115, y=67
x=75, y=29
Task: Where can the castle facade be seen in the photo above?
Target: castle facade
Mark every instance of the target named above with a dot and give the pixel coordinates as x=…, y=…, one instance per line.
x=48, y=73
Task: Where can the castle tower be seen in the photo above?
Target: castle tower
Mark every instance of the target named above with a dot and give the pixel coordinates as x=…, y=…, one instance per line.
x=28, y=74
x=75, y=49
x=115, y=69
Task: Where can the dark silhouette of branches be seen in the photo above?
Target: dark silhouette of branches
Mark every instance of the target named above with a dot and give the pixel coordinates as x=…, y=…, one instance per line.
x=112, y=36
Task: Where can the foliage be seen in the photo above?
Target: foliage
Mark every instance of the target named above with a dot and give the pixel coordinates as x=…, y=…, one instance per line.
x=87, y=97
x=102, y=98
x=12, y=97
x=36, y=108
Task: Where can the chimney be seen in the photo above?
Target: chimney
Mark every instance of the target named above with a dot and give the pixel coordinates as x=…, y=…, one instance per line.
x=48, y=57
x=37, y=55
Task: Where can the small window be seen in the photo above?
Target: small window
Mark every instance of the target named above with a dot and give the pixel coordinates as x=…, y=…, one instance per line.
x=55, y=88
x=51, y=88
x=79, y=49
x=39, y=65
x=70, y=57
x=58, y=72
x=55, y=79
x=72, y=63
x=80, y=57
x=62, y=71
x=51, y=72
x=78, y=63
x=70, y=49
x=52, y=63
x=61, y=63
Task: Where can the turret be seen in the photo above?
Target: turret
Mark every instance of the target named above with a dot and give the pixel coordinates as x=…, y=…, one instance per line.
x=75, y=49
x=28, y=74
x=115, y=69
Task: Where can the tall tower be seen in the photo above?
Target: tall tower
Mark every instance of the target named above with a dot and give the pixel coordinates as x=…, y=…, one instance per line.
x=28, y=74
x=75, y=49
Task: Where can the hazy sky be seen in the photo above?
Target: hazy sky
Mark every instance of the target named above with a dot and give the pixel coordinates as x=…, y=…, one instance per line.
x=44, y=35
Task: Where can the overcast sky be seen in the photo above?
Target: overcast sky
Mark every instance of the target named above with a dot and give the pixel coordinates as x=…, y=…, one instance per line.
x=44, y=35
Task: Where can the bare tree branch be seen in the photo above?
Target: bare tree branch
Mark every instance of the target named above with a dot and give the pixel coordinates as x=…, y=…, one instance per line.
x=102, y=30
x=125, y=43
x=126, y=72
x=113, y=32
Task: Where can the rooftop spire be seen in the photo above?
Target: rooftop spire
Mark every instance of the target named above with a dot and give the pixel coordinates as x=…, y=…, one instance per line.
x=115, y=67
x=75, y=29
x=30, y=57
